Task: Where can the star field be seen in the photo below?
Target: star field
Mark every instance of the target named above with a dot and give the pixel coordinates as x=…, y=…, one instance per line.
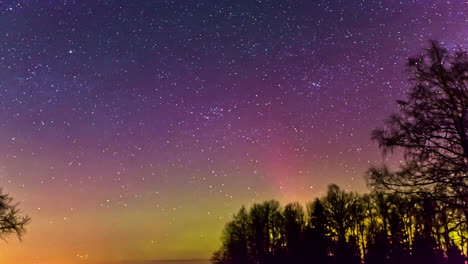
x=134, y=129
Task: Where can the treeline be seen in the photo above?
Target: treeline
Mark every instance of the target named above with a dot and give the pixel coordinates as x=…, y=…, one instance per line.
x=345, y=227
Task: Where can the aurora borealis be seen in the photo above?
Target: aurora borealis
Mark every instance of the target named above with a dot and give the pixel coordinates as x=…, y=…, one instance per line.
x=133, y=130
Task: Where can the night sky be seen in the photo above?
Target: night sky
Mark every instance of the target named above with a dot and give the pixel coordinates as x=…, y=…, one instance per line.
x=133, y=130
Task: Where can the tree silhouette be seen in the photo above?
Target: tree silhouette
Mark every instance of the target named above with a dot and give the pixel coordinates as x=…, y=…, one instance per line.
x=341, y=208
x=294, y=224
x=235, y=239
x=431, y=130
x=317, y=236
x=11, y=220
x=266, y=225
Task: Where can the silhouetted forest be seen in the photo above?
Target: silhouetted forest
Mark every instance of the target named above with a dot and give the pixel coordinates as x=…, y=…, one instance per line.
x=344, y=227
x=416, y=213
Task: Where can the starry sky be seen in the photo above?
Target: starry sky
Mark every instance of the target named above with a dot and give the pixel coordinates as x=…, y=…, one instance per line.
x=133, y=130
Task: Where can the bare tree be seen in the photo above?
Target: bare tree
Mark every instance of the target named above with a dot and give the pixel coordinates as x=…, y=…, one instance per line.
x=431, y=130
x=11, y=220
